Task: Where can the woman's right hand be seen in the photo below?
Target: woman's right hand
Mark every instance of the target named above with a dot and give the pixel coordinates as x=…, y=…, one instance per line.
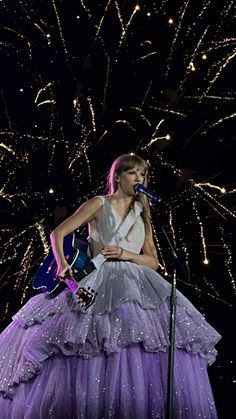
x=64, y=272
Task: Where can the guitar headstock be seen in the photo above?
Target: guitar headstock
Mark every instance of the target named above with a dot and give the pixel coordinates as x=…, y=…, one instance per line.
x=86, y=297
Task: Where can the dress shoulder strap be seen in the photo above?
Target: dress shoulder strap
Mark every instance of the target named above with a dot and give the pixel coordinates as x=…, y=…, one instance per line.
x=101, y=198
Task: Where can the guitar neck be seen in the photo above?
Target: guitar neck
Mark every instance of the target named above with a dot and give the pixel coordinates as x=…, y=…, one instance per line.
x=72, y=284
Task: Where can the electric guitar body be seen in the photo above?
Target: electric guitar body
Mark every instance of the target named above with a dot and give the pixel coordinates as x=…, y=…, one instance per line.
x=75, y=251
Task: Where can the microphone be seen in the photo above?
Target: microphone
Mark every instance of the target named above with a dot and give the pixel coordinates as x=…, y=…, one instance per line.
x=150, y=194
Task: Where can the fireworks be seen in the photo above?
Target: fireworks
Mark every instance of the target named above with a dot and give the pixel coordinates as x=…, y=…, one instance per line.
x=84, y=82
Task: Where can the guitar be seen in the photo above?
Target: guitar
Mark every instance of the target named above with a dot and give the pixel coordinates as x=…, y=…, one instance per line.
x=75, y=251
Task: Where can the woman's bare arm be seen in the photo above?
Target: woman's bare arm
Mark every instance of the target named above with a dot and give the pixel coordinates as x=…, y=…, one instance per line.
x=85, y=214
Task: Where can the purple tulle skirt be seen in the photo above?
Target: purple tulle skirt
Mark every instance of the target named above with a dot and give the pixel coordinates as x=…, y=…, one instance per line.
x=129, y=384
x=111, y=362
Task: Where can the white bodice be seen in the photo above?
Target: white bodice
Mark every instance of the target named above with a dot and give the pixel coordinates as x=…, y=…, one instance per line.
x=111, y=230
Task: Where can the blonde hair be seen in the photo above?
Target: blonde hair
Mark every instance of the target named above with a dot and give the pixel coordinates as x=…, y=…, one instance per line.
x=122, y=164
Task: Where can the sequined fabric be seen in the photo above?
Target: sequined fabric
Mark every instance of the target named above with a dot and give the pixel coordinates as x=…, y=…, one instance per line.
x=56, y=360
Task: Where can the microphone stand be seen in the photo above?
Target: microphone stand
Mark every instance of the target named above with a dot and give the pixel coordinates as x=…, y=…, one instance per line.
x=173, y=300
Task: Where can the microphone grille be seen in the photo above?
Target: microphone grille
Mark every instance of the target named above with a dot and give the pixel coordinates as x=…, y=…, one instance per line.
x=138, y=187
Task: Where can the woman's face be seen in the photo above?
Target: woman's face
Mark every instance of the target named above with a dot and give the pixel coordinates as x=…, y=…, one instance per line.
x=129, y=178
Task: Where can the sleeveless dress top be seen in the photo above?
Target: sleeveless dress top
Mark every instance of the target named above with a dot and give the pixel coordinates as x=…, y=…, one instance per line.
x=112, y=230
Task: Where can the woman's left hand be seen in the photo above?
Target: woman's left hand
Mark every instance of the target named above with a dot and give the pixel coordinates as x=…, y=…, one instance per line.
x=114, y=252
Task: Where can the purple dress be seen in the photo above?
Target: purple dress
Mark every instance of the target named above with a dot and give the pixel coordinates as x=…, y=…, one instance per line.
x=57, y=361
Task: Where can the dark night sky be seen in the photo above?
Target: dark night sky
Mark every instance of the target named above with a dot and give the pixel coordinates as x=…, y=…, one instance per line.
x=81, y=83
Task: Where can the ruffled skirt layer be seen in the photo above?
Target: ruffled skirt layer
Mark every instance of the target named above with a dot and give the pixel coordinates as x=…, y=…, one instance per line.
x=129, y=384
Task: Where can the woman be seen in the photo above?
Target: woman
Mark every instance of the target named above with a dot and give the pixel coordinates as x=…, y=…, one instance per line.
x=110, y=361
